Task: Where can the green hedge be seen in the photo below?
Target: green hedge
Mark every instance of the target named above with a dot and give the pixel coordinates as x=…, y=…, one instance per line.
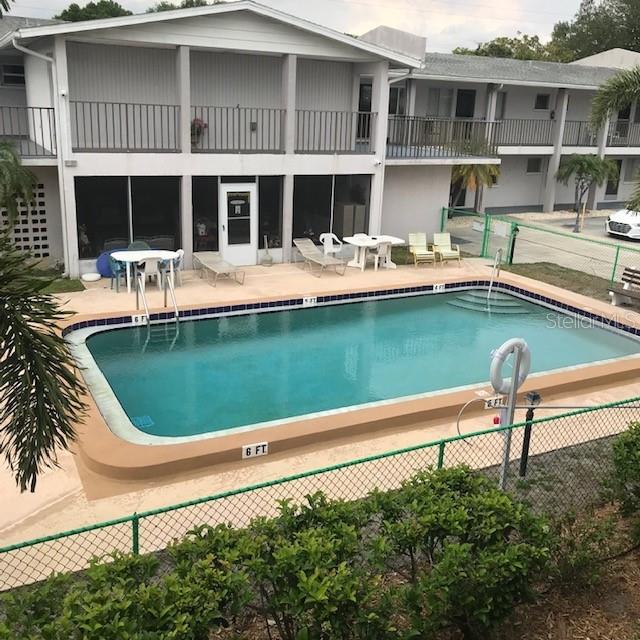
x=445, y=551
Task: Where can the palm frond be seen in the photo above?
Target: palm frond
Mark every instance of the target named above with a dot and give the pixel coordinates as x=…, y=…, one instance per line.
x=41, y=394
x=634, y=200
x=618, y=92
x=17, y=183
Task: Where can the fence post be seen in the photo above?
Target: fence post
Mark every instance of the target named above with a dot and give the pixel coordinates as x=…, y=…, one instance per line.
x=615, y=264
x=443, y=219
x=135, y=534
x=441, y=455
x=485, y=236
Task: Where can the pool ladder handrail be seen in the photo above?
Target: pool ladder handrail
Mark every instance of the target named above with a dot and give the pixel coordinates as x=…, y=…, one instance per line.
x=140, y=294
x=495, y=273
x=167, y=285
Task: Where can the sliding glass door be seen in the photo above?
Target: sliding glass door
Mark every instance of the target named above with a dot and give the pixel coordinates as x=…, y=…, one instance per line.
x=113, y=211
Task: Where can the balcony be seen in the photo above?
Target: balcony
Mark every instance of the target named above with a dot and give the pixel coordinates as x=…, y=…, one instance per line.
x=578, y=133
x=124, y=127
x=237, y=130
x=31, y=130
x=518, y=132
x=347, y=132
x=623, y=133
x=413, y=137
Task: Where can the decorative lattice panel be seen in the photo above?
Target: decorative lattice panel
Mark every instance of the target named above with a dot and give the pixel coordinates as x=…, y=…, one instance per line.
x=30, y=232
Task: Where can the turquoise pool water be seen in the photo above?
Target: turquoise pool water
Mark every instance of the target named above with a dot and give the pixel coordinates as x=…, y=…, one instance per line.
x=242, y=370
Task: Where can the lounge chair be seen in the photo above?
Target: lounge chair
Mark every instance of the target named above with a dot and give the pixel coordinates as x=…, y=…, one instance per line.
x=313, y=256
x=210, y=263
x=420, y=250
x=629, y=289
x=444, y=249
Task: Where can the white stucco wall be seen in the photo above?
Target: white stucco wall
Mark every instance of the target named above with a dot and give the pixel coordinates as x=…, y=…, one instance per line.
x=413, y=199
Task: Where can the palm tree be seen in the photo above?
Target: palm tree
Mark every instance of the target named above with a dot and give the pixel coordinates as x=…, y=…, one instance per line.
x=4, y=6
x=617, y=93
x=586, y=171
x=41, y=395
x=473, y=177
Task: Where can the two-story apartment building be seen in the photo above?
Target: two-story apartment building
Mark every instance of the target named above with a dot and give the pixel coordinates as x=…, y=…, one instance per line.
x=224, y=127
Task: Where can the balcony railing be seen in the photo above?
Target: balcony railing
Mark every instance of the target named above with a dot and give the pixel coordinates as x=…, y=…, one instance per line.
x=32, y=130
x=237, y=130
x=414, y=137
x=121, y=126
x=519, y=132
x=335, y=131
x=623, y=133
x=578, y=133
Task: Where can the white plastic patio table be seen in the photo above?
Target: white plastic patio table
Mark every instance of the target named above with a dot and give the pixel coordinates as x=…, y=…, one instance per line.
x=133, y=257
x=363, y=243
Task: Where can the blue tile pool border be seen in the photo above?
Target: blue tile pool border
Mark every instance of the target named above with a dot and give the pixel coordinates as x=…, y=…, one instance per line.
x=355, y=296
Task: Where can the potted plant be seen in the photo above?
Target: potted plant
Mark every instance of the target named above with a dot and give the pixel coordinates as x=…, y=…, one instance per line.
x=197, y=129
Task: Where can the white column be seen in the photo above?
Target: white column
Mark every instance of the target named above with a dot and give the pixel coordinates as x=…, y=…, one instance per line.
x=562, y=101
x=287, y=217
x=380, y=106
x=65, y=182
x=289, y=79
x=289, y=71
x=186, y=220
x=492, y=102
x=183, y=71
x=411, y=97
x=601, y=141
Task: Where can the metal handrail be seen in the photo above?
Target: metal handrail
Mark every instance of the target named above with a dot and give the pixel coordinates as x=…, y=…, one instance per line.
x=140, y=294
x=167, y=285
x=495, y=273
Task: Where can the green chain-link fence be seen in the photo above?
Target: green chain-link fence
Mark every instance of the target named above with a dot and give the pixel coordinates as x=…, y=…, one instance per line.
x=569, y=457
x=481, y=235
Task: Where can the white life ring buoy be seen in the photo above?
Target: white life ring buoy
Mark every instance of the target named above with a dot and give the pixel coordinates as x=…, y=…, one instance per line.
x=499, y=384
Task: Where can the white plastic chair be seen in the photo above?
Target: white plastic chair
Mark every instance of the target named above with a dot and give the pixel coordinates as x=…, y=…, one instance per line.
x=150, y=269
x=177, y=267
x=331, y=243
x=381, y=254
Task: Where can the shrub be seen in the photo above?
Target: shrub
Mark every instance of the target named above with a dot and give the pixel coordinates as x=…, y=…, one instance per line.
x=578, y=548
x=626, y=464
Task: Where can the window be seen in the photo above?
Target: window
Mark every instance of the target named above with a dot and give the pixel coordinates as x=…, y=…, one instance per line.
x=204, y=200
x=501, y=105
x=534, y=165
x=155, y=211
x=270, y=210
x=311, y=206
x=542, y=102
x=330, y=203
x=102, y=209
x=13, y=75
x=439, y=102
x=631, y=169
x=397, y=101
x=494, y=181
x=351, y=205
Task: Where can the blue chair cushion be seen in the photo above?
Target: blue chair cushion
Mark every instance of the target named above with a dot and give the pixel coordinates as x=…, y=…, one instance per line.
x=103, y=265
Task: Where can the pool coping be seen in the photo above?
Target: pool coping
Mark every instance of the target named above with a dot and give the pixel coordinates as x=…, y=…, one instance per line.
x=105, y=452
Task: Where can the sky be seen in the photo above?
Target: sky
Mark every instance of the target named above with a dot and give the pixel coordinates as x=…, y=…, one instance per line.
x=445, y=23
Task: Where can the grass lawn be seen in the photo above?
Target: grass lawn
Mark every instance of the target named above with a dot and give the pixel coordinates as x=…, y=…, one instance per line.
x=578, y=281
x=64, y=285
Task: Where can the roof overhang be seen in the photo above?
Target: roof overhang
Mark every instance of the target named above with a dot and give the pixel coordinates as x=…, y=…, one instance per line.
x=77, y=28
x=518, y=83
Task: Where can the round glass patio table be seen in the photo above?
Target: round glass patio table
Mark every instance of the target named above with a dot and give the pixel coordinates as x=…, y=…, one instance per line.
x=133, y=257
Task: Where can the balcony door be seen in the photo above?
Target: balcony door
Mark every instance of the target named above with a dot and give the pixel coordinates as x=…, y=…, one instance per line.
x=466, y=103
x=238, y=206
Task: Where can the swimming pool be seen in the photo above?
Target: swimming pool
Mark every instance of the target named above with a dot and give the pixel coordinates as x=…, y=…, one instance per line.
x=222, y=374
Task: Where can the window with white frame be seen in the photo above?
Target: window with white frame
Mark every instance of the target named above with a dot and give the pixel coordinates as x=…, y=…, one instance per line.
x=534, y=165
x=439, y=102
x=631, y=168
x=12, y=75
x=501, y=105
x=543, y=100
x=397, y=100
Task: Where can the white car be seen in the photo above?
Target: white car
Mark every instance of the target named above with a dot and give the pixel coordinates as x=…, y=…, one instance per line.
x=624, y=223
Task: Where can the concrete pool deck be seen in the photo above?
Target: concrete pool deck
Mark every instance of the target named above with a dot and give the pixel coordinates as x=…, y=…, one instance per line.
x=73, y=495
